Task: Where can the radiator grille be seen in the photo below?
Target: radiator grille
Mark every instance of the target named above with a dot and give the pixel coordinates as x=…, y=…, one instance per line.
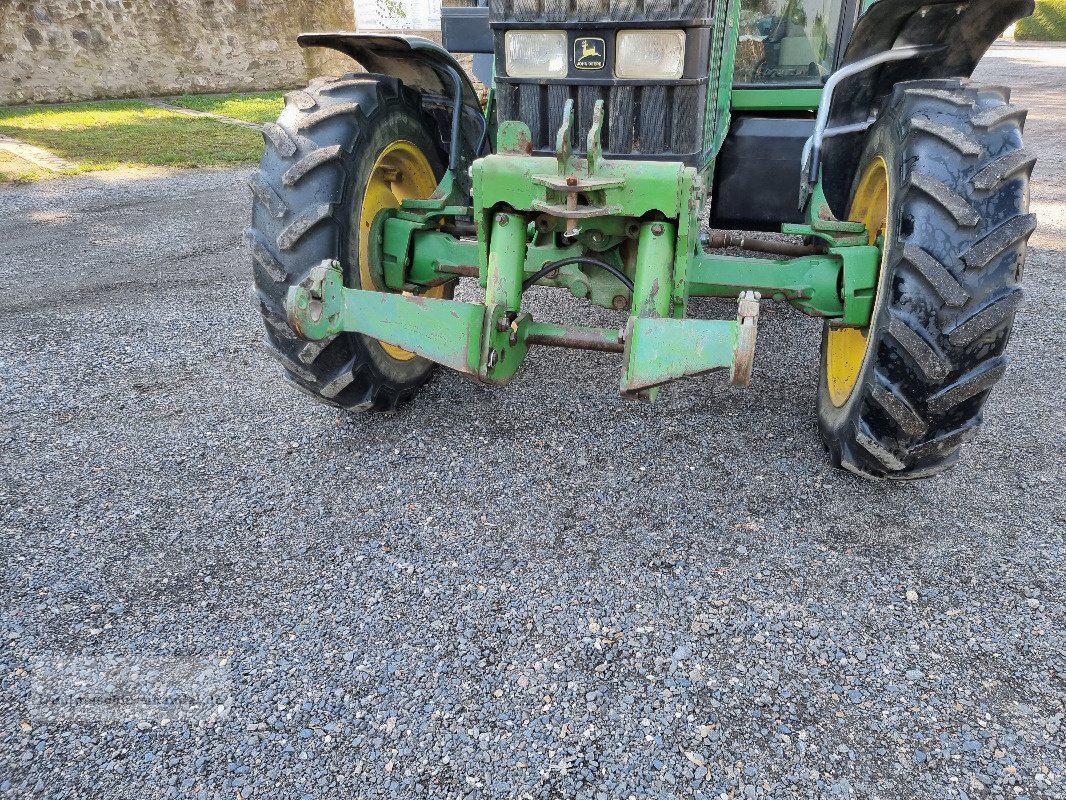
x=657, y=120
x=598, y=10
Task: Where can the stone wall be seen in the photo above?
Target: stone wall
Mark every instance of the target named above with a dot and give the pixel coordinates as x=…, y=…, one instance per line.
x=57, y=50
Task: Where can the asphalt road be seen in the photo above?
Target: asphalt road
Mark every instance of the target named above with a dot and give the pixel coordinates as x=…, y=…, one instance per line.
x=214, y=588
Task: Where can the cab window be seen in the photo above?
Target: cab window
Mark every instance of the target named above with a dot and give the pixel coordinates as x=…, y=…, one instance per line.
x=786, y=42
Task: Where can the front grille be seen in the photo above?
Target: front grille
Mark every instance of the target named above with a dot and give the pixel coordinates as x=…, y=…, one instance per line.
x=640, y=120
x=662, y=120
x=600, y=10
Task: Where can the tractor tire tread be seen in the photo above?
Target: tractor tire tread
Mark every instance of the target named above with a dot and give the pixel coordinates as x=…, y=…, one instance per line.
x=314, y=159
x=990, y=314
x=876, y=448
x=960, y=227
x=1002, y=168
x=262, y=257
x=302, y=99
x=966, y=145
x=952, y=202
x=265, y=195
x=298, y=220
x=926, y=356
x=308, y=121
x=279, y=139
x=1007, y=236
x=996, y=115
x=981, y=378
x=309, y=218
x=891, y=399
x=936, y=275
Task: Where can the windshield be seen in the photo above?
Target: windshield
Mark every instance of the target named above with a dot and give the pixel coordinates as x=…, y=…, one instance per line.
x=786, y=42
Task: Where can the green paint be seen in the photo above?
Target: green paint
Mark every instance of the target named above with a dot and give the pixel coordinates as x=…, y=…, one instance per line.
x=861, y=268
x=430, y=252
x=504, y=345
x=662, y=350
x=808, y=283
x=652, y=291
x=635, y=188
x=723, y=60
x=652, y=282
x=775, y=99
x=507, y=258
x=444, y=331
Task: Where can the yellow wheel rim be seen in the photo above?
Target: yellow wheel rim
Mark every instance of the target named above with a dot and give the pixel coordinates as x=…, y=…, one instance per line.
x=401, y=172
x=846, y=347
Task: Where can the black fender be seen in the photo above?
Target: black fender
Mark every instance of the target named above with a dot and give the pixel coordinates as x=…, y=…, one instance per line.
x=964, y=28
x=420, y=64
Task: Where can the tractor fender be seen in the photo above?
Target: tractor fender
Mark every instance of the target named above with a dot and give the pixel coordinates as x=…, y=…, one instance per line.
x=418, y=63
x=964, y=28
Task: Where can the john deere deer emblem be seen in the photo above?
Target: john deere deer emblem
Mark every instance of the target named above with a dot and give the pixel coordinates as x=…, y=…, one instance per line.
x=588, y=53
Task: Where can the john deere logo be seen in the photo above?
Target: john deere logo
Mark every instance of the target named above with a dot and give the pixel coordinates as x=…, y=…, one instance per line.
x=588, y=53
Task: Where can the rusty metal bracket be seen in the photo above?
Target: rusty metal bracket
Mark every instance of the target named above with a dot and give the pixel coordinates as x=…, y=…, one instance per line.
x=747, y=331
x=594, y=144
x=563, y=147
x=575, y=177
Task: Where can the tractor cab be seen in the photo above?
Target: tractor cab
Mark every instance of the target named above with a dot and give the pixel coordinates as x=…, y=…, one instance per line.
x=788, y=42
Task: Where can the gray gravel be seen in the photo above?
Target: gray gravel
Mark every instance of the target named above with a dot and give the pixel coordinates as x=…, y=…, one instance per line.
x=213, y=588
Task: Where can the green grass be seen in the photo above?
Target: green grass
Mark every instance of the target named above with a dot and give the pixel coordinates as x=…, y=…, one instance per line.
x=258, y=107
x=1048, y=24
x=129, y=133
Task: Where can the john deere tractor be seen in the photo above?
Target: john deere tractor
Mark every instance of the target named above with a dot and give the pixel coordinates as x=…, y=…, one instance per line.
x=630, y=153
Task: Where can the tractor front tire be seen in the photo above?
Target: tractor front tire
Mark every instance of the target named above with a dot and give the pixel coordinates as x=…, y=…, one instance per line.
x=945, y=180
x=340, y=151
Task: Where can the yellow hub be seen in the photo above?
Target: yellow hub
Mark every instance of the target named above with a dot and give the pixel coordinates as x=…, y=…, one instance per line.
x=846, y=348
x=401, y=172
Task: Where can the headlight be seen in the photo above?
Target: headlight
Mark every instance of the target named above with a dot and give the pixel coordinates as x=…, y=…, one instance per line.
x=536, y=54
x=649, y=54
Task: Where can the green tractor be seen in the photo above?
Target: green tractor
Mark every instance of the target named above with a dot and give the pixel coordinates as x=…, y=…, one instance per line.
x=630, y=153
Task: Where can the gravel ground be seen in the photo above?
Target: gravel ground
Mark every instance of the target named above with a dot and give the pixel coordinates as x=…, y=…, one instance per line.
x=214, y=588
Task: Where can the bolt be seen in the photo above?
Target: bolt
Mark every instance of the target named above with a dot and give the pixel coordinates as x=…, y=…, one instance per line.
x=502, y=219
x=620, y=302
x=506, y=320
x=512, y=338
x=494, y=358
x=657, y=229
x=571, y=180
x=553, y=274
x=596, y=237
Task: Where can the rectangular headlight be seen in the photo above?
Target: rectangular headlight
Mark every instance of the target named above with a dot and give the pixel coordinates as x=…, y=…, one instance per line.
x=650, y=54
x=536, y=54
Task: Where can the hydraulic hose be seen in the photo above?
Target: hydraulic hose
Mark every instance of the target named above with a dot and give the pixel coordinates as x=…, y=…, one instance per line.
x=551, y=266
